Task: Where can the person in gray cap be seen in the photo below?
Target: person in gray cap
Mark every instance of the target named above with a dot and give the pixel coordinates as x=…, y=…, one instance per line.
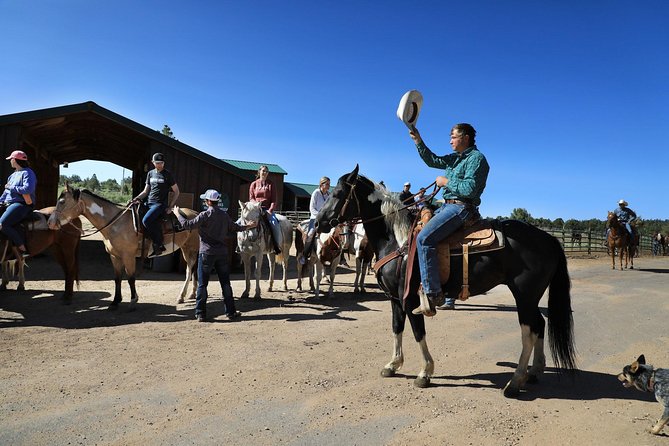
x=159, y=183
x=214, y=226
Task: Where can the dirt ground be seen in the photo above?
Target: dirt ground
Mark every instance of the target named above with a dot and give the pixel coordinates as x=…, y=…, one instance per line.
x=298, y=370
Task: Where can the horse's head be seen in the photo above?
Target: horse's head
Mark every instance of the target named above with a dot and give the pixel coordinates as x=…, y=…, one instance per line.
x=250, y=211
x=67, y=207
x=352, y=198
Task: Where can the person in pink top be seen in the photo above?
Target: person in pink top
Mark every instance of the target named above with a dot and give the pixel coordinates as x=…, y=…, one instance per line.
x=262, y=191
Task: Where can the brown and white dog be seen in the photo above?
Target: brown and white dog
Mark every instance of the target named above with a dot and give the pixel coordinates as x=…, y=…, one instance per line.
x=647, y=379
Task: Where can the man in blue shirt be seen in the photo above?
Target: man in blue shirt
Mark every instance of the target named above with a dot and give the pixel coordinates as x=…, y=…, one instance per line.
x=465, y=175
x=625, y=215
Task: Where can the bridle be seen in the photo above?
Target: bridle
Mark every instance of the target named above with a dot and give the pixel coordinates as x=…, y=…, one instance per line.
x=340, y=218
x=80, y=207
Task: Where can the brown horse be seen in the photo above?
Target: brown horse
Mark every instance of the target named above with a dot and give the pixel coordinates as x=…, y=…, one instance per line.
x=619, y=238
x=64, y=244
x=122, y=240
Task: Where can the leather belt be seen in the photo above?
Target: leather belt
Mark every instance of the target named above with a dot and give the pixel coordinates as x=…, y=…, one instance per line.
x=453, y=201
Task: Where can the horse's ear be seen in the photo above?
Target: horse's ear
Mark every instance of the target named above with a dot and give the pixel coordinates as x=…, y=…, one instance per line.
x=353, y=175
x=356, y=170
x=67, y=186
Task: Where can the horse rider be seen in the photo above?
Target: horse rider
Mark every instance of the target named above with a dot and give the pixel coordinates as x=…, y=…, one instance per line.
x=159, y=183
x=214, y=226
x=465, y=176
x=318, y=198
x=626, y=216
x=18, y=198
x=406, y=196
x=262, y=191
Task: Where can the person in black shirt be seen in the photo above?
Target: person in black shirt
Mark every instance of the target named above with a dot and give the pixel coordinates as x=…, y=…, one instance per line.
x=159, y=183
x=406, y=196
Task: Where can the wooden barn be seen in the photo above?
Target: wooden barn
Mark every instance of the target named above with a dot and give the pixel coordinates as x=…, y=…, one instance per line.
x=54, y=136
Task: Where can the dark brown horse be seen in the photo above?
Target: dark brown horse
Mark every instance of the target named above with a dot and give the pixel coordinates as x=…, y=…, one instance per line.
x=619, y=238
x=64, y=244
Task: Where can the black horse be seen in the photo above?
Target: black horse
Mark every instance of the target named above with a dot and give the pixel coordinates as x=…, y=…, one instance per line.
x=530, y=262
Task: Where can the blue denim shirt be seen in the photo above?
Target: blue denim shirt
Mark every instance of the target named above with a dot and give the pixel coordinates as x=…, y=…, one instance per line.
x=625, y=214
x=467, y=172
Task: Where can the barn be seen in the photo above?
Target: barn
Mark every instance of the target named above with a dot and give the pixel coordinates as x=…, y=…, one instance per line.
x=54, y=136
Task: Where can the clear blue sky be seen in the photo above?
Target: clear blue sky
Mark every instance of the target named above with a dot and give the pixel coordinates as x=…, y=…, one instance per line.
x=570, y=98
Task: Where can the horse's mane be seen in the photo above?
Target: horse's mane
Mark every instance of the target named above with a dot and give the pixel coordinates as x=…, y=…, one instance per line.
x=395, y=219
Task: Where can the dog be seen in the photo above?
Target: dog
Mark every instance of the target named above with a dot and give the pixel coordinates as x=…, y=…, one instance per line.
x=647, y=379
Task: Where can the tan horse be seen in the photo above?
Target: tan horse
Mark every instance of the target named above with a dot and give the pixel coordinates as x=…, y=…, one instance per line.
x=122, y=240
x=64, y=244
x=619, y=238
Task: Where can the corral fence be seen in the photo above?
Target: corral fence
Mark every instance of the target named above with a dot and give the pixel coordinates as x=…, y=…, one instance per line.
x=592, y=242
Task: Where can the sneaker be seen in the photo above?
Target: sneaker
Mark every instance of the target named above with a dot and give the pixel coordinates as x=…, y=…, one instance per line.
x=200, y=318
x=446, y=306
x=234, y=316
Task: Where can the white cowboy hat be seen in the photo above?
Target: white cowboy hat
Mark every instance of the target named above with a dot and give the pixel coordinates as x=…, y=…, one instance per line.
x=409, y=107
x=622, y=203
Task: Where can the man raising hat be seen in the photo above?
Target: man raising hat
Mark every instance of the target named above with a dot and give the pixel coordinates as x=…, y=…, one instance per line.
x=406, y=196
x=215, y=226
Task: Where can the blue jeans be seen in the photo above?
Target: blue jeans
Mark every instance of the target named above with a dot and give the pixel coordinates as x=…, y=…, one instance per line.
x=152, y=222
x=13, y=215
x=446, y=220
x=207, y=262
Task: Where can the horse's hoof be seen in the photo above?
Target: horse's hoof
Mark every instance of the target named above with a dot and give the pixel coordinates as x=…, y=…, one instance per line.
x=532, y=379
x=421, y=382
x=21, y=288
x=180, y=301
x=244, y=295
x=112, y=306
x=387, y=373
x=511, y=391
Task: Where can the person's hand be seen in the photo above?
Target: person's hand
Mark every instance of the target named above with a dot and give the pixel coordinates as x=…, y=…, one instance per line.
x=441, y=181
x=175, y=210
x=415, y=135
x=168, y=211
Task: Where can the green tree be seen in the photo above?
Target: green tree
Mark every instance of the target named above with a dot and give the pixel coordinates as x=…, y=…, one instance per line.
x=110, y=184
x=522, y=215
x=92, y=183
x=167, y=131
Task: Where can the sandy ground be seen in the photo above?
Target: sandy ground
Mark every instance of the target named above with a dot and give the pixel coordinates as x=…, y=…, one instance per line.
x=306, y=371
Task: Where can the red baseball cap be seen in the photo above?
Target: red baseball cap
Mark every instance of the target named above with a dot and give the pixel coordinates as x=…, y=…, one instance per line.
x=19, y=155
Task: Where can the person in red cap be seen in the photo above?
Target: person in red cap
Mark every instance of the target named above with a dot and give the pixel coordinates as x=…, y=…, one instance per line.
x=18, y=198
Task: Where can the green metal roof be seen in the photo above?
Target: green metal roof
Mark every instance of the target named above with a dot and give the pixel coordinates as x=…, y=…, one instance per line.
x=301, y=189
x=253, y=166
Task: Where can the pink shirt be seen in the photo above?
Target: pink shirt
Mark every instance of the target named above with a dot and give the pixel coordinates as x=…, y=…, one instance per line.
x=263, y=193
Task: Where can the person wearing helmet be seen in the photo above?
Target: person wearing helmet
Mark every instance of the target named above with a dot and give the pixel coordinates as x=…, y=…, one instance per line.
x=214, y=226
x=159, y=183
x=18, y=198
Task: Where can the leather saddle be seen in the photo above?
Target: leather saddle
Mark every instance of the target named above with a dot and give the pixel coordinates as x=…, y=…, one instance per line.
x=168, y=222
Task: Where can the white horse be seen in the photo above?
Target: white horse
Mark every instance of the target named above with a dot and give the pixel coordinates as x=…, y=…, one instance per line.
x=356, y=243
x=256, y=242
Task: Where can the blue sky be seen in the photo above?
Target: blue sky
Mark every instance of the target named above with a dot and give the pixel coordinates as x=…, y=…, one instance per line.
x=570, y=99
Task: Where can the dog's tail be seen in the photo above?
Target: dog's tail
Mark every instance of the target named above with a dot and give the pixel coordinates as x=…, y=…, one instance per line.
x=560, y=321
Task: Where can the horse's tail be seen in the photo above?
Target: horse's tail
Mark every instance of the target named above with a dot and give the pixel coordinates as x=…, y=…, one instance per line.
x=560, y=320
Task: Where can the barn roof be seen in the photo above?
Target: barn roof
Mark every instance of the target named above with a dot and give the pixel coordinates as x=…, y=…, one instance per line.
x=254, y=166
x=88, y=131
x=301, y=189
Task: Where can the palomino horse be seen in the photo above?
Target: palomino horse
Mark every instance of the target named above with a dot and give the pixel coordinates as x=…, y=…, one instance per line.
x=64, y=244
x=619, y=238
x=256, y=241
x=122, y=240
x=530, y=262
x=357, y=243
